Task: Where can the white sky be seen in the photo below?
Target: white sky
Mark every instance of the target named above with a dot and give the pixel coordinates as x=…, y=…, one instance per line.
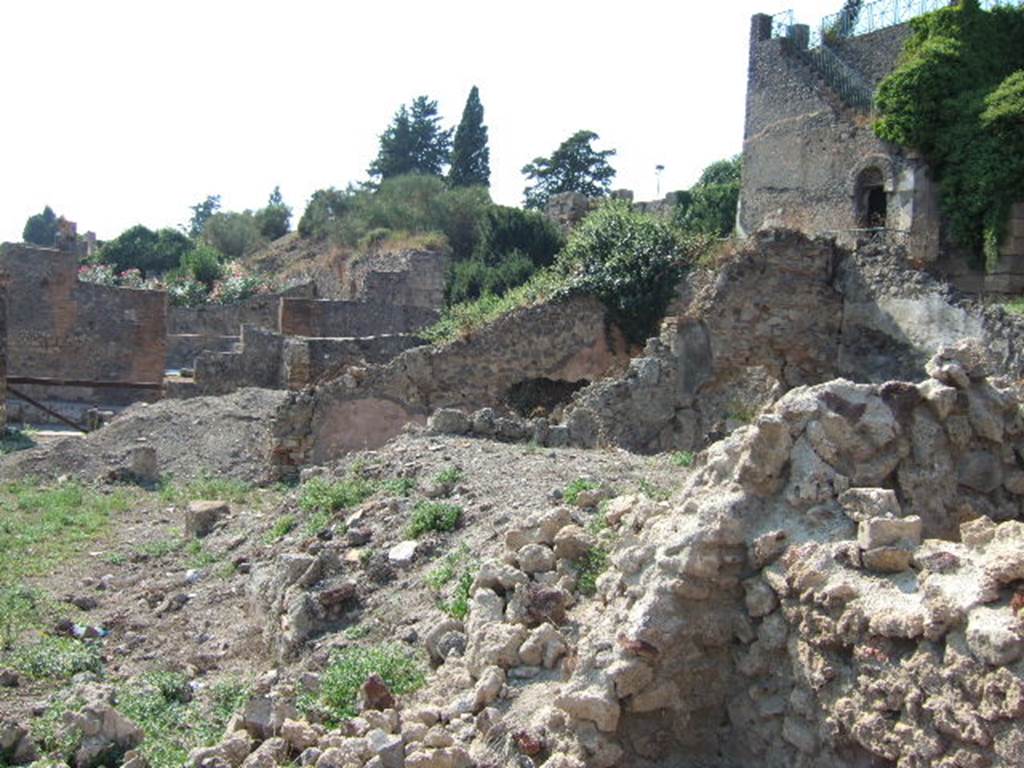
x=118, y=113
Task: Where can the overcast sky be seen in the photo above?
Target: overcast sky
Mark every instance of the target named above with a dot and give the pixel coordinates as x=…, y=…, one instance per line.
x=118, y=113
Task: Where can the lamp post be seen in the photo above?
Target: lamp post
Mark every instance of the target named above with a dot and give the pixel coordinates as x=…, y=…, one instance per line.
x=657, y=175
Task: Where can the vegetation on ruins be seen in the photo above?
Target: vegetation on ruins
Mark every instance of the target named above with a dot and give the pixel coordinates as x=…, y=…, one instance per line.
x=471, y=157
x=41, y=228
x=401, y=671
x=433, y=517
x=201, y=213
x=413, y=143
x=143, y=249
x=574, y=167
x=709, y=206
x=958, y=97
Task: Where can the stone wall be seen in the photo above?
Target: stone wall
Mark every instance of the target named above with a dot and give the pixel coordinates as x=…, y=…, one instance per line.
x=566, y=341
x=58, y=327
x=227, y=319
x=407, y=278
x=311, y=317
x=272, y=360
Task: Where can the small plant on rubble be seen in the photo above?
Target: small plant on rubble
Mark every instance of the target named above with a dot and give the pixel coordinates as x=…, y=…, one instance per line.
x=455, y=570
x=349, y=668
x=430, y=516
x=573, y=490
x=589, y=567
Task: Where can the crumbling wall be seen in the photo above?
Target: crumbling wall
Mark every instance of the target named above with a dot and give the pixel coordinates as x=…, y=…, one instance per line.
x=58, y=327
x=227, y=319
x=406, y=278
x=563, y=341
x=836, y=584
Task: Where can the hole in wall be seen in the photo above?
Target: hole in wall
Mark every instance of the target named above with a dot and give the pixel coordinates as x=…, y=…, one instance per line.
x=541, y=396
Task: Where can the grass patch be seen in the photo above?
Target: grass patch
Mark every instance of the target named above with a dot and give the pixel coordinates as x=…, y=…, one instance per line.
x=349, y=667
x=430, y=516
x=452, y=580
x=40, y=526
x=161, y=703
x=54, y=658
x=460, y=320
x=153, y=550
x=589, y=568
x=683, y=459
x=13, y=440
x=399, y=486
x=573, y=490
x=281, y=528
x=199, y=556
x=322, y=495
x=207, y=488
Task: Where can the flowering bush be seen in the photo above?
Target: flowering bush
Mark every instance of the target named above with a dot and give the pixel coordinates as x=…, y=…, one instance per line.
x=236, y=285
x=101, y=274
x=187, y=292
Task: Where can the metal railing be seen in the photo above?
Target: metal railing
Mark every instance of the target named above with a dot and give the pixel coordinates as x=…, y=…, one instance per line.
x=872, y=17
x=841, y=78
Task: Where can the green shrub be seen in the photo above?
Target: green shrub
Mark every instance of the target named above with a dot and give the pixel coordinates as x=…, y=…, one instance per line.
x=434, y=516
x=146, y=250
x=631, y=261
x=399, y=486
x=203, y=264
x=709, y=207
x=448, y=477
x=469, y=280
x=326, y=208
x=350, y=667
x=505, y=230
x=233, y=234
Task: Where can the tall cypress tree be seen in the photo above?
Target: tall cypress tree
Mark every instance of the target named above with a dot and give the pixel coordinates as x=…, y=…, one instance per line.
x=471, y=158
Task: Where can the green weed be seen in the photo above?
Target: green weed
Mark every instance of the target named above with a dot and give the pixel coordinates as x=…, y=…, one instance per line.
x=281, y=528
x=453, y=569
x=430, y=516
x=162, y=704
x=54, y=658
x=152, y=550
x=589, y=568
x=652, y=491
x=322, y=495
x=349, y=667
x=199, y=556
x=576, y=487
x=206, y=487
x=683, y=459
x=448, y=477
x=399, y=486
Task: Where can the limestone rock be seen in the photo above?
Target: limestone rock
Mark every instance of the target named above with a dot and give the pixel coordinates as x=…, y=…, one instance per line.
x=201, y=517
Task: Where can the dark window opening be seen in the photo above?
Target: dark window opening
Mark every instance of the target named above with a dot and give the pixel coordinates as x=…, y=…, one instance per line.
x=872, y=199
x=540, y=397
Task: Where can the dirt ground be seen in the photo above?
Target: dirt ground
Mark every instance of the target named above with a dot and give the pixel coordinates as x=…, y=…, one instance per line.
x=167, y=603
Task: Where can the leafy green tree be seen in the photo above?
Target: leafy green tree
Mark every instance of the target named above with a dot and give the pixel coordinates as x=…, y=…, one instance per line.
x=471, y=158
x=41, y=229
x=201, y=213
x=325, y=209
x=574, y=167
x=505, y=230
x=413, y=143
x=273, y=221
x=709, y=207
x=141, y=248
x=233, y=234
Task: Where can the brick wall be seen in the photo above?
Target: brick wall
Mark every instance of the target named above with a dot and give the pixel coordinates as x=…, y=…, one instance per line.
x=58, y=327
x=228, y=319
x=409, y=278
